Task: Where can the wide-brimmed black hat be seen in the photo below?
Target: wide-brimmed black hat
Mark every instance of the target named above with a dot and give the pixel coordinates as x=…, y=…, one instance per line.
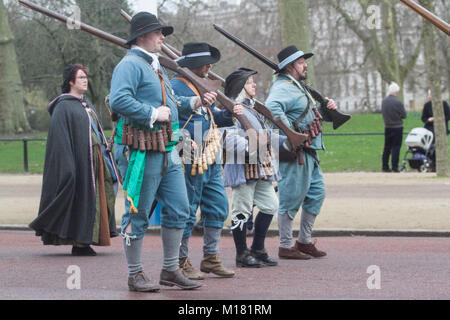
x=144, y=22
x=289, y=55
x=236, y=81
x=197, y=54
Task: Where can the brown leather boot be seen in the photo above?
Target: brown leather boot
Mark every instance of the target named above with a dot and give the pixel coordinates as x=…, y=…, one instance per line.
x=212, y=263
x=189, y=271
x=292, y=253
x=310, y=249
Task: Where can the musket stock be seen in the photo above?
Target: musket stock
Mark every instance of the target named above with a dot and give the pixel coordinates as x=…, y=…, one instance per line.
x=339, y=118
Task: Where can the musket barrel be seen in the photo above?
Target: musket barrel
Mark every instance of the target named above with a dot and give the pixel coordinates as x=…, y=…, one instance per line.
x=432, y=18
x=264, y=59
x=99, y=33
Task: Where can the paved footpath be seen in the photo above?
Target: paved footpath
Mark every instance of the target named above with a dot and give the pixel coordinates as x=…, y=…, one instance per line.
x=406, y=267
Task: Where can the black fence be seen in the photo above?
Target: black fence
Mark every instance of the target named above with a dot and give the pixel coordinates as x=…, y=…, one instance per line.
x=25, y=148
x=26, y=140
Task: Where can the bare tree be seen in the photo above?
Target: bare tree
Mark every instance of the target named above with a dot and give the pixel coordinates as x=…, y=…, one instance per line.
x=46, y=46
x=295, y=27
x=12, y=110
x=434, y=77
x=380, y=41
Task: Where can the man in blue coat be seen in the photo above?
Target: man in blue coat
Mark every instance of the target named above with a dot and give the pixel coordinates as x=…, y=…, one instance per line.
x=203, y=174
x=142, y=95
x=301, y=185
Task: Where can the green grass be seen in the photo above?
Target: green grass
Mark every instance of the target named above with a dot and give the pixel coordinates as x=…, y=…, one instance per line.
x=361, y=152
x=343, y=153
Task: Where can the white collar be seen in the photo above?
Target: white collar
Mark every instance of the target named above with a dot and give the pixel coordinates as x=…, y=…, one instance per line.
x=297, y=83
x=155, y=57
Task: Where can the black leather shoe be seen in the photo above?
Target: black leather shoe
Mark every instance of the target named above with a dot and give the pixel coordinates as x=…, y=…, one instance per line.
x=176, y=278
x=246, y=260
x=83, y=251
x=262, y=256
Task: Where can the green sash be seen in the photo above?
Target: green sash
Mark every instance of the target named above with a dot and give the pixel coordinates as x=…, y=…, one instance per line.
x=136, y=167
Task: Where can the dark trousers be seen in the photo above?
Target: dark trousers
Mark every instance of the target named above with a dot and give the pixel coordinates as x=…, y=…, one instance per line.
x=392, y=143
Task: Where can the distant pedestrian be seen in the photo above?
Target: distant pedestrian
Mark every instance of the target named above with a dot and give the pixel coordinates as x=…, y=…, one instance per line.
x=393, y=113
x=428, y=120
x=427, y=114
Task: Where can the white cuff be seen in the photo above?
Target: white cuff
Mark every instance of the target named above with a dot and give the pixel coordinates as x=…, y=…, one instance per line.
x=193, y=102
x=153, y=117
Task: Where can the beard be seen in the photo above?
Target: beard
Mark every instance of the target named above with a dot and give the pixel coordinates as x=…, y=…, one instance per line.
x=303, y=77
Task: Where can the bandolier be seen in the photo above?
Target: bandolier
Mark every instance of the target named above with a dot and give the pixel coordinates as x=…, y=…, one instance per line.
x=205, y=155
x=265, y=157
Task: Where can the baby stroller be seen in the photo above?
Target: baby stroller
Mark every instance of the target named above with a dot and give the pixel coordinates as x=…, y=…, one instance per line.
x=420, y=147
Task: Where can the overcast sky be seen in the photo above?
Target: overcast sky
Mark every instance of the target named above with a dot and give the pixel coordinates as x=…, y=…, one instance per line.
x=144, y=5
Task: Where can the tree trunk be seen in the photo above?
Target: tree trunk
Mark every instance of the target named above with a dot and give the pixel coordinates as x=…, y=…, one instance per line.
x=12, y=110
x=294, y=28
x=434, y=77
x=392, y=49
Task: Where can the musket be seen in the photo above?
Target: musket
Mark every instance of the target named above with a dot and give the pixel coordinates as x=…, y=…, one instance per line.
x=202, y=85
x=438, y=22
x=296, y=139
x=338, y=118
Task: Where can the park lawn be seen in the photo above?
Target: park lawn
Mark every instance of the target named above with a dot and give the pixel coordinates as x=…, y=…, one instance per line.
x=360, y=152
x=343, y=152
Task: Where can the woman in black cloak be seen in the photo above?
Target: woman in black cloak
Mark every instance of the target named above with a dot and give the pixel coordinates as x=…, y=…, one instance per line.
x=80, y=180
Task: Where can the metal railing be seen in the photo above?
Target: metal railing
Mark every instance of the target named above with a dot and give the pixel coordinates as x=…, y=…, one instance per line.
x=25, y=142
x=25, y=148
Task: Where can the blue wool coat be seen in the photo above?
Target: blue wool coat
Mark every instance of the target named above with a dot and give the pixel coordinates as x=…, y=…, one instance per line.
x=287, y=100
x=136, y=90
x=135, y=93
x=205, y=191
x=301, y=185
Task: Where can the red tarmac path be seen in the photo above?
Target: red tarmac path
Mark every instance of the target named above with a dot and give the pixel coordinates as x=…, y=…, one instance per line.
x=410, y=268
